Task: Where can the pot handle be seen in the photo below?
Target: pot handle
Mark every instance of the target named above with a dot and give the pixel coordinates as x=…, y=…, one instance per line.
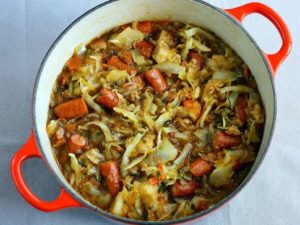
x=30, y=150
x=277, y=58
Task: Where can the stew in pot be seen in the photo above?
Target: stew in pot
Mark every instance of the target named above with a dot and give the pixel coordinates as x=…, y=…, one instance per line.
x=155, y=120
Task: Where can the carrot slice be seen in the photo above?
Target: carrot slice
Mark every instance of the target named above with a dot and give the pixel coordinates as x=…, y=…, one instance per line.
x=70, y=109
x=146, y=48
x=193, y=107
x=145, y=27
x=127, y=58
x=115, y=61
x=74, y=63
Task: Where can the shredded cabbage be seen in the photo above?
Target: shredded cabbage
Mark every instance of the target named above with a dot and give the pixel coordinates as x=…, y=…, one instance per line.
x=104, y=128
x=202, y=134
x=164, y=153
x=187, y=47
x=159, y=123
x=139, y=59
x=185, y=151
x=90, y=101
x=238, y=88
x=200, y=47
x=224, y=75
x=194, y=30
x=127, y=37
x=161, y=52
x=75, y=167
x=193, y=77
x=93, y=155
x=51, y=127
x=129, y=149
x=221, y=176
x=128, y=114
x=118, y=204
x=169, y=67
x=117, y=75
x=233, y=99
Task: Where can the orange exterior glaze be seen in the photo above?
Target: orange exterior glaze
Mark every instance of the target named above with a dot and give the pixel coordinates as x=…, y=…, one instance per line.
x=277, y=58
x=30, y=150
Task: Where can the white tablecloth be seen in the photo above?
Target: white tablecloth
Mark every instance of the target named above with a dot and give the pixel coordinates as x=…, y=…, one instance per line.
x=27, y=29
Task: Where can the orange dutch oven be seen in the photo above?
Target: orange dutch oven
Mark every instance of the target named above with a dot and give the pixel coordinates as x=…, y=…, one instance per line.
x=225, y=23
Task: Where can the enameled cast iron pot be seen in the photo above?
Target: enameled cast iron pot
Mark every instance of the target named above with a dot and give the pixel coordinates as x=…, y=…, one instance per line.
x=225, y=23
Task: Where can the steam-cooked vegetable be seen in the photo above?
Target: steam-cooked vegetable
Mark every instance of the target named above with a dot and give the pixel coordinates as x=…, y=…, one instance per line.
x=75, y=167
x=164, y=153
x=186, y=150
x=129, y=149
x=155, y=120
x=127, y=37
x=117, y=75
x=105, y=129
x=127, y=114
x=169, y=67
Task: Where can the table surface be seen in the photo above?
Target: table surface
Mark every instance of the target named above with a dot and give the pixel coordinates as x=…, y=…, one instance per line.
x=28, y=28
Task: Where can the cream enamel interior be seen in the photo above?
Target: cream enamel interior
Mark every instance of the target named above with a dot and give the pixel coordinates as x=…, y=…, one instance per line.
x=124, y=11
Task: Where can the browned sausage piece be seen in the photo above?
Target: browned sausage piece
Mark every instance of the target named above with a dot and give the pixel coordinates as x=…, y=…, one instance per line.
x=76, y=142
x=70, y=109
x=182, y=190
x=111, y=174
x=240, y=109
x=223, y=140
x=156, y=80
x=200, y=167
x=107, y=98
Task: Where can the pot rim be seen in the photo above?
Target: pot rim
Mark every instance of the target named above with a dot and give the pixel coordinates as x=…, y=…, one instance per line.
x=196, y=216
